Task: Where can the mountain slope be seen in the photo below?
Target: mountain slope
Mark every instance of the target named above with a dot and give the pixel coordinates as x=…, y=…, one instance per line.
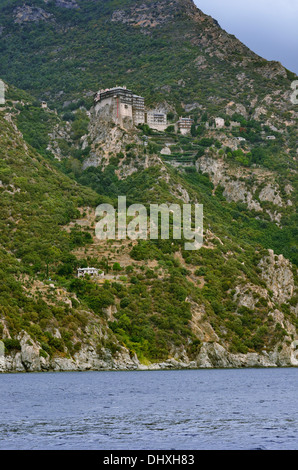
x=232, y=303
x=170, y=52
x=62, y=50
x=216, y=306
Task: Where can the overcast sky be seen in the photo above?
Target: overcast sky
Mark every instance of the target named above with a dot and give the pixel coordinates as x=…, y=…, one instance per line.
x=268, y=27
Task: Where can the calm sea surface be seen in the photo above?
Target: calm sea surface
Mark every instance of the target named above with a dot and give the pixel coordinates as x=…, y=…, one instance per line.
x=191, y=409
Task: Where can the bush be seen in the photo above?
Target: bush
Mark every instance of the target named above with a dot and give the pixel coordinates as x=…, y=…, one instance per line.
x=124, y=302
x=116, y=267
x=12, y=344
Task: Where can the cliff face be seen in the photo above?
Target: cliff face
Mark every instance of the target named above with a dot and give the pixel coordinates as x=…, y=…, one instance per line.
x=254, y=187
x=212, y=355
x=278, y=275
x=26, y=14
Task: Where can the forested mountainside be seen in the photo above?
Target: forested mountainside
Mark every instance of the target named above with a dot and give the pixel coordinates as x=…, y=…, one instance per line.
x=165, y=50
x=233, y=302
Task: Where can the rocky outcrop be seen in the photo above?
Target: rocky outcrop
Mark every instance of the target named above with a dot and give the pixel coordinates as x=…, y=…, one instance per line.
x=249, y=295
x=108, y=139
x=238, y=108
x=234, y=188
x=145, y=16
x=69, y=4
x=276, y=271
x=271, y=194
x=30, y=358
x=246, y=186
x=272, y=70
x=213, y=355
x=60, y=132
x=25, y=360
x=26, y=14
x=180, y=193
x=200, y=326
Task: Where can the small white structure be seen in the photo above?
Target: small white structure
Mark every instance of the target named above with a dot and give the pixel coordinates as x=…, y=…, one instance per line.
x=166, y=151
x=235, y=124
x=44, y=104
x=92, y=272
x=156, y=120
x=219, y=123
x=270, y=137
x=240, y=139
x=2, y=92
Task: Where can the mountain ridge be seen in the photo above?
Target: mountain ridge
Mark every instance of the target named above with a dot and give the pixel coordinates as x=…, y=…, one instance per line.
x=199, y=35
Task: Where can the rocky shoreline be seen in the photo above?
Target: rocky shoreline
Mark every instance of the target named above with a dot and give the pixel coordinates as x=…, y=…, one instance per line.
x=211, y=355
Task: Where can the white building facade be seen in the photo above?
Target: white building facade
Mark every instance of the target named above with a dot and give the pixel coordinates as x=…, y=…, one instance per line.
x=92, y=272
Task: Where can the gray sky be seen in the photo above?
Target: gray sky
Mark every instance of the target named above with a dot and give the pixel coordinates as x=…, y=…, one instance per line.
x=268, y=27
